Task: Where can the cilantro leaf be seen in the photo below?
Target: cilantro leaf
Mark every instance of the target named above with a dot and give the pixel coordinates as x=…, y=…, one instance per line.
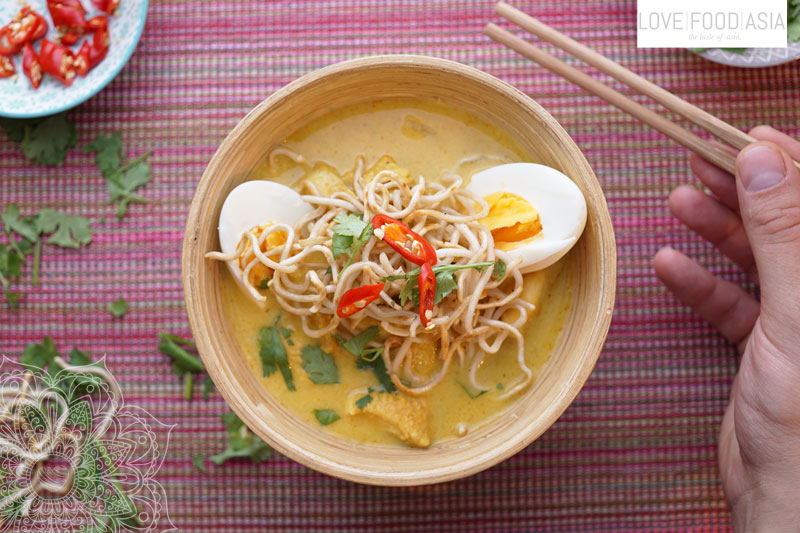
x=70, y=230
x=199, y=463
x=39, y=355
x=118, y=307
x=350, y=233
x=82, y=382
x=127, y=179
x=241, y=443
x=378, y=368
x=23, y=226
x=445, y=284
x=499, y=269
x=320, y=366
x=109, y=152
x=273, y=354
x=362, y=402
x=47, y=142
x=357, y=344
x=326, y=416
x=10, y=264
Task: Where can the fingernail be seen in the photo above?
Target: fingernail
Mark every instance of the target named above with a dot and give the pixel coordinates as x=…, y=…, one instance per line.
x=760, y=167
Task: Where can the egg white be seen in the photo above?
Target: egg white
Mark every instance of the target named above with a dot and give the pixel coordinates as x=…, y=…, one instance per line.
x=251, y=204
x=560, y=203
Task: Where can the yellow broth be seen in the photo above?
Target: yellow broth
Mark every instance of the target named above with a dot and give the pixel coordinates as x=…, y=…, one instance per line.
x=428, y=138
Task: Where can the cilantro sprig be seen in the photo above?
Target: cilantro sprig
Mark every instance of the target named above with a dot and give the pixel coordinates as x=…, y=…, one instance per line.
x=368, y=358
x=273, y=353
x=350, y=233
x=357, y=345
x=445, y=279
x=121, y=180
x=241, y=443
x=66, y=231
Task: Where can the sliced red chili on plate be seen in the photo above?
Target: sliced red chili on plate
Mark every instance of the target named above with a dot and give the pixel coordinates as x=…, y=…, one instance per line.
x=6, y=66
x=69, y=16
x=7, y=48
x=41, y=29
x=97, y=23
x=82, y=59
x=99, y=47
x=58, y=61
x=25, y=26
x=410, y=245
x=427, y=293
x=31, y=66
x=357, y=299
x=109, y=6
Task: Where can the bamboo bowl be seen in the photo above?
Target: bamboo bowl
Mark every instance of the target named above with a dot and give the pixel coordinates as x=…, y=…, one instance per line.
x=353, y=82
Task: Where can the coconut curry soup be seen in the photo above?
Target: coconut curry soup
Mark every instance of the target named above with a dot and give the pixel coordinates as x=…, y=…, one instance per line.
x=393, y=276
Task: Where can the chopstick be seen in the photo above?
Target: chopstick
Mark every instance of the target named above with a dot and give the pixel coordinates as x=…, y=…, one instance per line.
x=710, y=151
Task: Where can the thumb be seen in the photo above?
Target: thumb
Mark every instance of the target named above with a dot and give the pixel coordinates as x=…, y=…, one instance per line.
x=768, y=184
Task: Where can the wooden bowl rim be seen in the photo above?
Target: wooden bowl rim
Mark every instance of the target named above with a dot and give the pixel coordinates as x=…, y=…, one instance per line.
x=447, y=472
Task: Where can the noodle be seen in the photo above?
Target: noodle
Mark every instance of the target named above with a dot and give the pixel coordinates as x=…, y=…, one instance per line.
x=472, y=322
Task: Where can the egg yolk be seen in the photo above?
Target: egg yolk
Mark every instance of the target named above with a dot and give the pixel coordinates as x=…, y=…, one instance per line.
x=512, y=220
x=261, y=273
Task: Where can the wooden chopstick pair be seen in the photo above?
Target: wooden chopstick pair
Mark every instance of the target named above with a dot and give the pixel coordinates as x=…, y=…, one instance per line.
x=715, y=153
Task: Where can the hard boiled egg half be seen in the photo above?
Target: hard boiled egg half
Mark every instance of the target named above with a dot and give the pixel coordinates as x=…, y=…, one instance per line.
x=255, y=206
x=536, y=213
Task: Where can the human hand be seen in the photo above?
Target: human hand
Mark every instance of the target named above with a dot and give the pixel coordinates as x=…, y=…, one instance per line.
x=753, y=219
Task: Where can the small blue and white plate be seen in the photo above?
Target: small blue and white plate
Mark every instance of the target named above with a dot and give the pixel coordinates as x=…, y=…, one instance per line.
x=753, y=57
x=18, y=99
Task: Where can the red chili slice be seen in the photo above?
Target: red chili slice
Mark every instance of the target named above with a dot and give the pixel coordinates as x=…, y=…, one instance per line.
x=109, y=6
x=6, y=66
x=82, y=59
x=25, y=26
x=97, y=23
x=41, y=29
x=357, y=299
x=70, y=38
x=99, y=48
x=396, y=234
x=58, y=61
x=69, y=16
x=7, y=48
x=31, y=66
x=427, y=293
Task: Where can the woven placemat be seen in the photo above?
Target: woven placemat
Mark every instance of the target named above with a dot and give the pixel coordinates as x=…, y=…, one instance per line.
x=637, y=449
